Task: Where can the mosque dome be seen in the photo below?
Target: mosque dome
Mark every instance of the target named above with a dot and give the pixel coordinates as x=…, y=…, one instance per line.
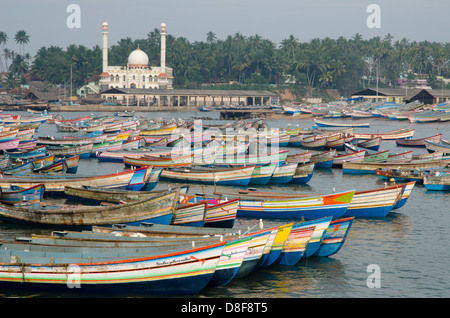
x=138, y=58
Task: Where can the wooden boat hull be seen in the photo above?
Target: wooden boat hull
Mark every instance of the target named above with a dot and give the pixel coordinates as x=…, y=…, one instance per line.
x=190, y=272
x=30, y=195
x=57, y=184
x=308, y=208
x=234, y=176
x=437, y=183
x=303, y=173
x=295, y=245
x=158, y=210
x=334, y=237
x=283, y=174
x=371, y=167
x=323, y=123
x=320, y=226
x=263, y=174
x=374, y=203
x=418, y=142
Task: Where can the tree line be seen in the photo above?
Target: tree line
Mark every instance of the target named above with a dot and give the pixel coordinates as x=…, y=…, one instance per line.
x=343, y=64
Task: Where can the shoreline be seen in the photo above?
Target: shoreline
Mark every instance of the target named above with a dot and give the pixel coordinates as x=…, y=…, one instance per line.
x=105, y=108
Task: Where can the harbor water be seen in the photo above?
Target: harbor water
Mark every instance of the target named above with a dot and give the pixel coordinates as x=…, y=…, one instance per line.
x=402, y=255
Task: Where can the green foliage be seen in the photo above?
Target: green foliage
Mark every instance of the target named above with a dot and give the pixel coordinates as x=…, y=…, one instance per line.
x=343, y=64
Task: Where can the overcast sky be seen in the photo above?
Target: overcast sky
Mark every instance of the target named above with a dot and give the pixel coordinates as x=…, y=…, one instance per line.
x=46, y=20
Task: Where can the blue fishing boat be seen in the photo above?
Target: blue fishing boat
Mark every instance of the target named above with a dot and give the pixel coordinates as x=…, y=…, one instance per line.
x=283, y=174
x=374, y=203
x=295, y=245
x=334, y=237
x=320, y=226
x=303, y=173
x=263, y=174
x=437, y=183
x=16, y=194
x=404, y=195
x=152, y=180
x=280, y=207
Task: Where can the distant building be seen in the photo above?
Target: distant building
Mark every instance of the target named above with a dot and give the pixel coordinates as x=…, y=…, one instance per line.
x=137, y=73
x=92, y=88
x=402, y=95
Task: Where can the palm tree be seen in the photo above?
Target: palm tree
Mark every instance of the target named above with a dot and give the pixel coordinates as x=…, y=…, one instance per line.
x=11, y=81
x=3, y=40
x=211, y=37
x=22, y=38
x=19, y=65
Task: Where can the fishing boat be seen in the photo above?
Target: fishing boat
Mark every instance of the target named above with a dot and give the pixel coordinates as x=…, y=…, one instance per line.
x=263, y=174
x=323, y=123
x=320, y=226
x=161, y=162
x=70, y=140
x=16, y=195
x=357, y=156
x=221, y=214
x=9, y=144
x=55, y=184
x=437, y=183
x=405, y=195
x=371, y=144
x=230, y=261
x=337, y=144
x=192, y=214
x=323, y=160
x=27, y=153
x=146, y=273
x=400, y=157
x=334, y=237
x=158, y=209
x=420, y=142
x=210, y=175
x=277, y=157
x=315, y=142
x=303, y=157
x=377, y=156
x=295, y=245
x=374, y=203
x=303, y=173
x=277, y=245
x=97, y=195
x=84, y=150
x=284, y=173
x=295, y=140
x=371, y=167
x=313, y=207
x=402, y=133
x=437, y=147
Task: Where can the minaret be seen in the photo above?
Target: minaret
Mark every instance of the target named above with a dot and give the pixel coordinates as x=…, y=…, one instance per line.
x=163, y=47
x=105, y=46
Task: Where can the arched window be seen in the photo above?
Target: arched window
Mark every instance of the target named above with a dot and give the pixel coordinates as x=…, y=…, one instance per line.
x=143, y=78
x=112, y=78
x=117, y=78
x=134, y=77
x=124, y=78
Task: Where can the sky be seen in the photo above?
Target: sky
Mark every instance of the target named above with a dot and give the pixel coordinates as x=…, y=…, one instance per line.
x=45, y=21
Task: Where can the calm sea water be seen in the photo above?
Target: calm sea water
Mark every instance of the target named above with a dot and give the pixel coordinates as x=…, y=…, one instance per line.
x=409, y=247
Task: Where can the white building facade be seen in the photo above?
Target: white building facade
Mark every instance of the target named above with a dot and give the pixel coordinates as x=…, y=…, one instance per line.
x=137, y=73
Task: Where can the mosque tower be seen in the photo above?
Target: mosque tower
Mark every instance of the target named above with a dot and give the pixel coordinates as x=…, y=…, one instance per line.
x=104, y=76
x=163, y=48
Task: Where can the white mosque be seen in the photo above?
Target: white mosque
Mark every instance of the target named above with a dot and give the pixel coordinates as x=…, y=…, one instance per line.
x=137, y=73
